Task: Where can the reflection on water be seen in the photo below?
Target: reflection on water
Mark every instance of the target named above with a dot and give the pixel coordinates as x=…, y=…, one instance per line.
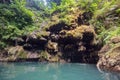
x=53, y=71
x=112, y=76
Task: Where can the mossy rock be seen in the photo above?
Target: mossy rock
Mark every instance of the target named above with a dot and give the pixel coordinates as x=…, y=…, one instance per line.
x=54, y=59
x=82, y=33
x=44, y=56
x=67, y=17
x=16, y=52
x=79, y=31
x=22, y=54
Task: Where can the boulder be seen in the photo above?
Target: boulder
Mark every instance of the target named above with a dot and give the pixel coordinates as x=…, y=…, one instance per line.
x=110, y=56
x=17, y=53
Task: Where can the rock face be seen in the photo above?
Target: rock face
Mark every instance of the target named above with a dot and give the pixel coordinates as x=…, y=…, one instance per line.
x=59, y=42
x=17, y=53
x=73, y=45
x=65, y=45
x=110, y=56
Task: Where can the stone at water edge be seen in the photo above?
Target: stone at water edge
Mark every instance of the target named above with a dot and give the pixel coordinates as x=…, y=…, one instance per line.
x=110, y=59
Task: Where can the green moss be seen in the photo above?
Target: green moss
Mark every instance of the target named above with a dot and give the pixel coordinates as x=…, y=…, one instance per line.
x=42, y=34
x=44, y=55
x=22, y=54
x=16, y=20
x=78, y=32
x=17, y=52
x=114, y=51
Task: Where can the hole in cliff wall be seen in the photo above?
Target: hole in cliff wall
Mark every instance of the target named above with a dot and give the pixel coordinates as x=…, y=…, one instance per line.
x=35, y=44
x=68, y=40
x=88, y=37
x=76, y=50
x=84, y=18
x=57, y=27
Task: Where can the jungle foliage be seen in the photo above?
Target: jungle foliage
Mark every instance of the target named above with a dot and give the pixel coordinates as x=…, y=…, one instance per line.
x=14, y=19
x=17, y=20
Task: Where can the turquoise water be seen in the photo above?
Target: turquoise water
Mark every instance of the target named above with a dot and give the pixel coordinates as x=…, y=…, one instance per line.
x=52, y=71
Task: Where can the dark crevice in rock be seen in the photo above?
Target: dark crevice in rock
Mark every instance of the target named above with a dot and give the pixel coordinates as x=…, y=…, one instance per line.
x=84, y=18
x=58, y=27
x=72, y=43
x=29, y=59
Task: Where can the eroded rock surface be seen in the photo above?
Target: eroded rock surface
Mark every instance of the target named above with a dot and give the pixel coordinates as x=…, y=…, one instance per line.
x=110, y=56
x=75, y=45
x=57, y=42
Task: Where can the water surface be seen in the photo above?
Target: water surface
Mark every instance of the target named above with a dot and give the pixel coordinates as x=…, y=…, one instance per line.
x=53, y=71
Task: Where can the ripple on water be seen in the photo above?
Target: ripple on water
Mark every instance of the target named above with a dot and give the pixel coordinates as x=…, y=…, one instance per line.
x=53, y=71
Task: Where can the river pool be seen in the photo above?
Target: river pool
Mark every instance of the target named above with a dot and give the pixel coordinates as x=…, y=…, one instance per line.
x=53, y=71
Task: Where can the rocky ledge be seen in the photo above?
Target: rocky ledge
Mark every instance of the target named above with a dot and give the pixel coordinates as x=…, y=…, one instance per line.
x=73, y=45
x=110, y=56
x=57, y=41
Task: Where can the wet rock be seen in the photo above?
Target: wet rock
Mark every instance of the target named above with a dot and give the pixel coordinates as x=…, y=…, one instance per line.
x=104, y=49
x=110, y=60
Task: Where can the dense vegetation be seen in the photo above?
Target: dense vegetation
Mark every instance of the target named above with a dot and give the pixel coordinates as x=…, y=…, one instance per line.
x=15, y=18
x=18, y=18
